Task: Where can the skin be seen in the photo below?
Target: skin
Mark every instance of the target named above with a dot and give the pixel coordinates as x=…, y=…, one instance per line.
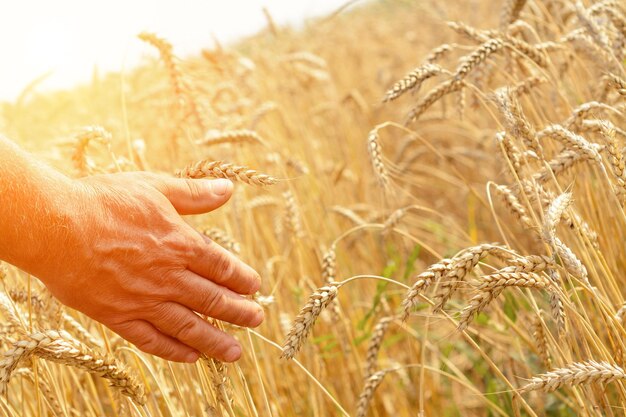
x=116, y=248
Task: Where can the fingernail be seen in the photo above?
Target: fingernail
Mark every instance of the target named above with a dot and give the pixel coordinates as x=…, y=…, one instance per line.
x=192, y=357
x=233, y=353
x=221, y=186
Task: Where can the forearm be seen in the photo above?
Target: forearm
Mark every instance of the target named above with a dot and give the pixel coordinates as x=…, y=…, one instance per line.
x=35, y=209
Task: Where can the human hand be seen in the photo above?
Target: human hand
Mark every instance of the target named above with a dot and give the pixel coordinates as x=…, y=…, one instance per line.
x=128, y=260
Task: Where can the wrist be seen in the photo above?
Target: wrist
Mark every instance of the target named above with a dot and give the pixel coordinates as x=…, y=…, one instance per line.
x=47, y=228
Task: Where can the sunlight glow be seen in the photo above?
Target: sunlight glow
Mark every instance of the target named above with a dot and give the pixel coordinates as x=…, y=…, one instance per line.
x=70, y=37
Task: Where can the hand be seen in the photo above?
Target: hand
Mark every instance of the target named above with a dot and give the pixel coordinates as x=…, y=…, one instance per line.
x=129, y=261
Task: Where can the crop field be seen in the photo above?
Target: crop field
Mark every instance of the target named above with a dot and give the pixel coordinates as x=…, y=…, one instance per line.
x=432, y=192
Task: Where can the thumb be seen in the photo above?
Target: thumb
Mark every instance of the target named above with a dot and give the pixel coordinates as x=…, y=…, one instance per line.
x=196, y=196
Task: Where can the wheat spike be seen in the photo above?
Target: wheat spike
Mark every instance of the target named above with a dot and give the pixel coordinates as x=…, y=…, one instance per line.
x=434, y=273
x=413, y=80
x=222, y=238
x=462, y=265
x=516, y=122
x=371, y=383
x=292, y=219
x=510, y=12
x=438, y=53
x=554, y=214
x=329, y=265
x=578, y=373
x=376, y=157
x=447, y=87
x=616, y=160
x=541, y=341
x=304, y=321
x=219, y=382
x=375, y=343
x=492, y=286
x=514, y=205
x=477, y=57
x=219, y=169
x=59, y=346
x=570, y=139
x=218, y=137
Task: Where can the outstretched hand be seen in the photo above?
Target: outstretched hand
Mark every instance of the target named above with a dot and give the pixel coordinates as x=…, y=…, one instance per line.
x=129, y=261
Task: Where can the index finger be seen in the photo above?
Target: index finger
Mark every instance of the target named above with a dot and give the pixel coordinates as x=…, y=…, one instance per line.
x=213, y=262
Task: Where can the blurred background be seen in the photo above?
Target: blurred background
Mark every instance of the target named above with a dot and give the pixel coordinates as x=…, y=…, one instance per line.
x=66, y=40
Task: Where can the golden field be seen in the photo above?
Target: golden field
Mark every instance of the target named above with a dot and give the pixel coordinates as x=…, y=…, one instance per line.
x=464, y=203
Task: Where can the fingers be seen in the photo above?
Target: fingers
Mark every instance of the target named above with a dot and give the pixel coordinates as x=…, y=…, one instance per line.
x=150, y=340
x=222, y=267
x=195, y=196
x=212, y=300
x=184, y=325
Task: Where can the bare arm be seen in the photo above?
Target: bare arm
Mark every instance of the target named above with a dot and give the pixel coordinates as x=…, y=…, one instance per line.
x=115, y=247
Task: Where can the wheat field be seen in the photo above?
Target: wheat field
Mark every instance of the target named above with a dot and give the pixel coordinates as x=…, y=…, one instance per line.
x=433, y=194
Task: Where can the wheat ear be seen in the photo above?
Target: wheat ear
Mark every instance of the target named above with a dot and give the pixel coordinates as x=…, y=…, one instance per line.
x=462, y=265
x=219, y=169
x=304, y=321
x=59, y=346
x=578, y=373
x=371, y=383
x=434, y=273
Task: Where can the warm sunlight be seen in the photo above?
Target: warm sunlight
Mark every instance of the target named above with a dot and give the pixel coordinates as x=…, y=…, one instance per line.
x=324, y=208
x=68, y=38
